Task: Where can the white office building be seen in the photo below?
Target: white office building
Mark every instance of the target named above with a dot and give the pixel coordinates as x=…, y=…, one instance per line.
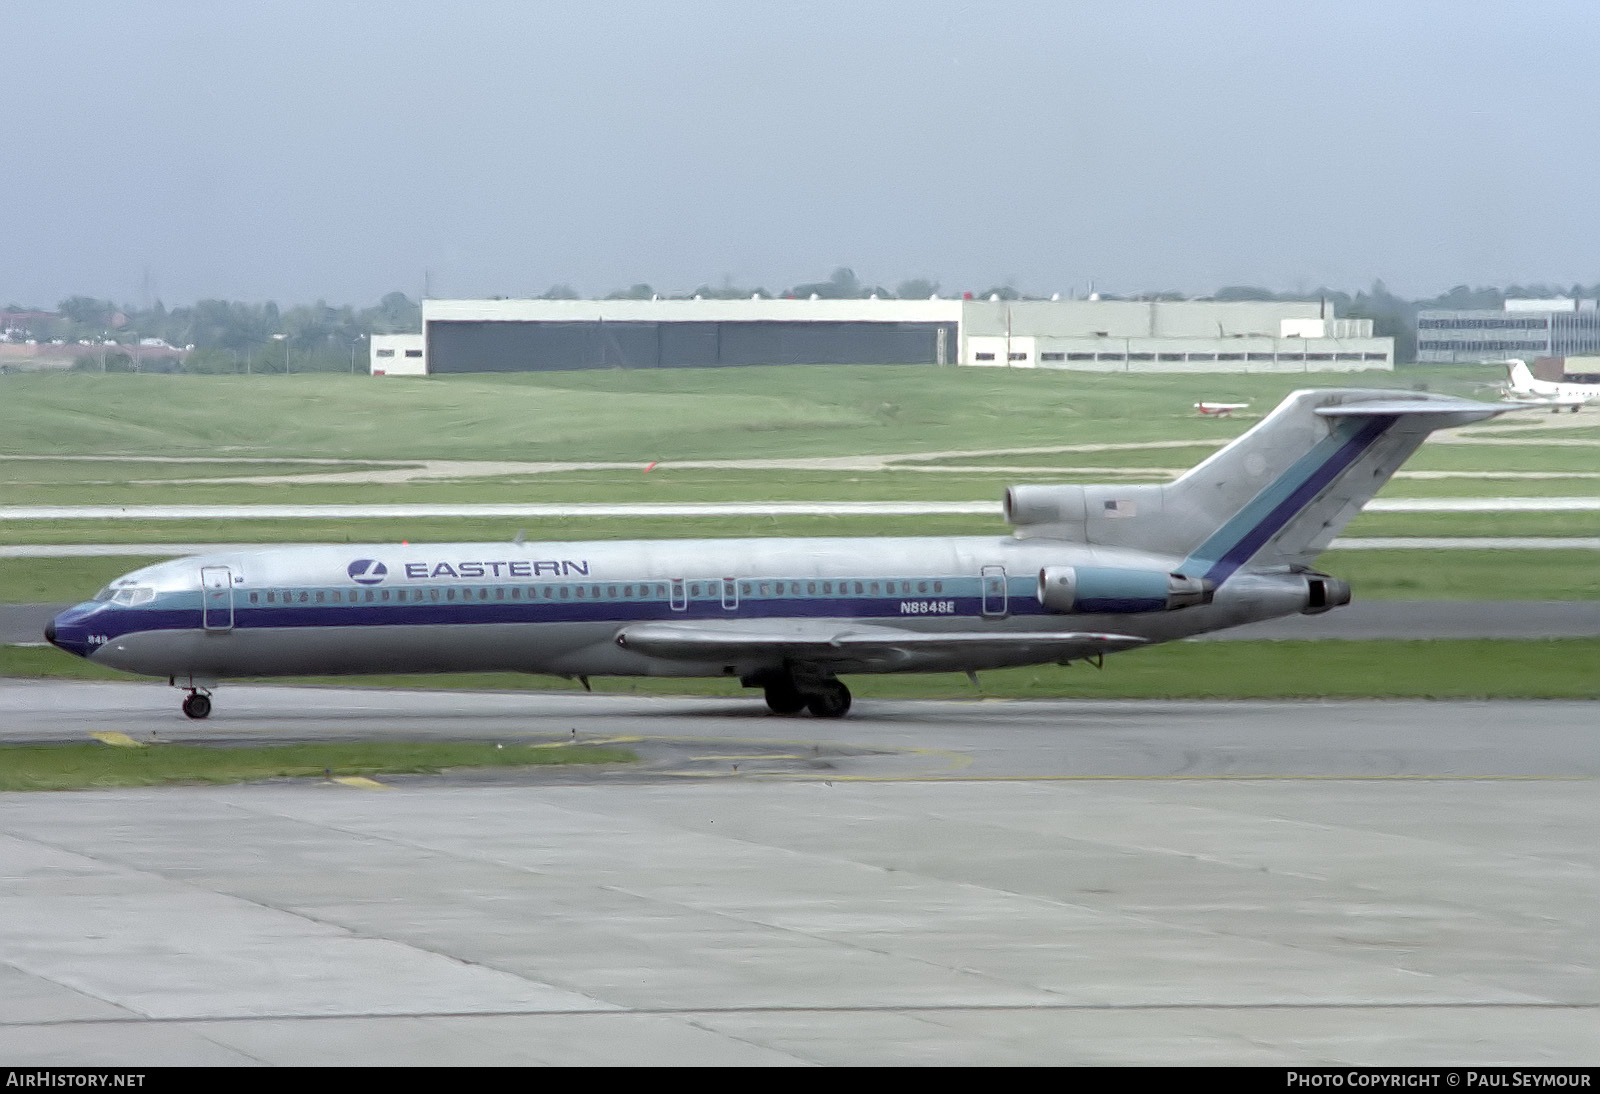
x=1558, y=327
x=398, y=355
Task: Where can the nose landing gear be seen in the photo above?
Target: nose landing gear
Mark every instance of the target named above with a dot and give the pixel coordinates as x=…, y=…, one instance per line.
x=197, y=704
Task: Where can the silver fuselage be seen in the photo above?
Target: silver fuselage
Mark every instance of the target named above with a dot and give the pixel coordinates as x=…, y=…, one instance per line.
x=559, y=607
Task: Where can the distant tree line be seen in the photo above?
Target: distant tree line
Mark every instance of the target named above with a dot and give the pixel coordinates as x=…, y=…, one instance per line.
x=229, y=336
x=219, y=335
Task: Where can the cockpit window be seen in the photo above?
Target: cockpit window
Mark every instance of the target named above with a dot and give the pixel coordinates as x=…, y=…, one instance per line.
x=133, y=595
x=103, y=595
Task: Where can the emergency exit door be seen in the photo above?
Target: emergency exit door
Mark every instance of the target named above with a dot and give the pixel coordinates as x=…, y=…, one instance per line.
x=994, y=591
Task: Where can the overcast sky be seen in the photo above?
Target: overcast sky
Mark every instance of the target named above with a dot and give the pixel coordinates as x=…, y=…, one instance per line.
x=338, y=150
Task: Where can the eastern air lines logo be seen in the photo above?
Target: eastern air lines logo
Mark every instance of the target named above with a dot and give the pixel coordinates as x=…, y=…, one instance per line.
x=367, y=571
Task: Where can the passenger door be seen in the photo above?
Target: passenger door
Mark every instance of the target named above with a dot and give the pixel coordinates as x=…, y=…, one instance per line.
x=216, y=598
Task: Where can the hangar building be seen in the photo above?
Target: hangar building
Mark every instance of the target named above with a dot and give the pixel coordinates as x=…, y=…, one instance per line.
x=538, y=335
x=1099, y=335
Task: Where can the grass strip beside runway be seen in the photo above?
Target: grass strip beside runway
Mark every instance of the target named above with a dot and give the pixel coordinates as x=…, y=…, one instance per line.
x=95, y=765
x=1488, y=668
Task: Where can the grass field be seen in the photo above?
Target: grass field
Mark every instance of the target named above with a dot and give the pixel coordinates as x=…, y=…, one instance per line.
x=1579, y=433
x=492, y=529
x=638, y=415
x=18, y=486
x=84, y=766
x=1475, y=524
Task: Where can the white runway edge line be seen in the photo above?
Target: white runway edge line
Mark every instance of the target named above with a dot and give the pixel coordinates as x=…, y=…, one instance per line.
x=1359, y=543
x=696, y=509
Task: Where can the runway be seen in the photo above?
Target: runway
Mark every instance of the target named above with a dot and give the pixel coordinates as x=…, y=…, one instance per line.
x=922, y=883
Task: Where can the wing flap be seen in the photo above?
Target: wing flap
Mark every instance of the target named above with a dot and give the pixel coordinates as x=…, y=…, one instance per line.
x=838, y=644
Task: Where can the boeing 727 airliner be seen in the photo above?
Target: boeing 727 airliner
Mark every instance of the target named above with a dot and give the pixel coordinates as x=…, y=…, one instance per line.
x=1087, y=570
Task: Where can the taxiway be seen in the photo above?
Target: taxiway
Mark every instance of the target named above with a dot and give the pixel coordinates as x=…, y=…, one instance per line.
x=923, y=883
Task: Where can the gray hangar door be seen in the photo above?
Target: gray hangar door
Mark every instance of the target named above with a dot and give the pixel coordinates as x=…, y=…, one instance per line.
x=540, y=347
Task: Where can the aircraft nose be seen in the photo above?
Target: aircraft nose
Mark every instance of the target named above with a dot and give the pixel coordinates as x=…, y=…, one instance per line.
x=66, y=632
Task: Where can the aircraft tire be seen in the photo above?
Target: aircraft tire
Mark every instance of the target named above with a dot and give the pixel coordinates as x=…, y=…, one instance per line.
x=197, y=706
x=784, y=699
x=830, y=700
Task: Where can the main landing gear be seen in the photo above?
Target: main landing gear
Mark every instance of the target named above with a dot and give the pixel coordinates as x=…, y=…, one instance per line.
x=785, y=698
x=790, y=692
x=831, y=699
x=197, y=704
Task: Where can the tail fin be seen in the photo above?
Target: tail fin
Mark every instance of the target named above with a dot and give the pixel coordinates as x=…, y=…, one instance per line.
x=1273, y=498
x=1522, y=381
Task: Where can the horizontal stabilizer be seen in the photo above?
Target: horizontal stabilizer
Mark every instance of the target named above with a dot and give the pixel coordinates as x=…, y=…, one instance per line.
x=1437, y=404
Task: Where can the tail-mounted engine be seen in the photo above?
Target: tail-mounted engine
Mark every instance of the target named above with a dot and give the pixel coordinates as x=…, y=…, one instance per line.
x=1323, y=593
x=1093, y=589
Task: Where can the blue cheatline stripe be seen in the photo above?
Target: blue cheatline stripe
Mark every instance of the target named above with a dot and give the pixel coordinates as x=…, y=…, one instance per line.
x=113, y=621
x=1232, y=545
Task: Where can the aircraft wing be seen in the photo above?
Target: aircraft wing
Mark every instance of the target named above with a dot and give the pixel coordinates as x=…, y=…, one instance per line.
x=842, y=644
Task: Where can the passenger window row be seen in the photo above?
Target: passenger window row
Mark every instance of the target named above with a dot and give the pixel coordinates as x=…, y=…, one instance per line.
x=635, y=591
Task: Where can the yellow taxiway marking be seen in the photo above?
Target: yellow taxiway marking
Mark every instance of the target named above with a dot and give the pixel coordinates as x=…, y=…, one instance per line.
x=587, y=741
x=766, y=756
x=360, y=782
x=121, y=740
x=711, y=774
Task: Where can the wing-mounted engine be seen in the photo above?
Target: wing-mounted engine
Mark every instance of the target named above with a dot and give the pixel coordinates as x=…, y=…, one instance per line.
x=1098, y=589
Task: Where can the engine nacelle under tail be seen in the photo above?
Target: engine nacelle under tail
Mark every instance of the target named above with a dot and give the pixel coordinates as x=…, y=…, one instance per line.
x=1324, y=593
x=1104, y=589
